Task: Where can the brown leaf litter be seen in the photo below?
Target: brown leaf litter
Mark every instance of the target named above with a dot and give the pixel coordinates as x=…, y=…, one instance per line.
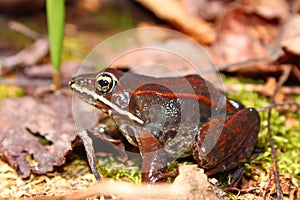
x=24, y=119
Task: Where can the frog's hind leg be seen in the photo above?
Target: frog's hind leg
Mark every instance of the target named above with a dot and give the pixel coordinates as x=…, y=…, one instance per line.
x=221, y=146
x=231, y=162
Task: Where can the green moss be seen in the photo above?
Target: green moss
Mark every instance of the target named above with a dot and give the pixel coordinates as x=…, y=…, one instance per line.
x=111, y=167
x=240, y=80
x=286, y=137
x=10, y=91
x=286, y=141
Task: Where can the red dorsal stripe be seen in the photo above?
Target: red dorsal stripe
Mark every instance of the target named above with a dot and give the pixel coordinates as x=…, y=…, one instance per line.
x=172, y=95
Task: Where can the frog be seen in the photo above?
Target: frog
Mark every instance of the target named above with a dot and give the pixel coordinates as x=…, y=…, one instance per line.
x=172, y=117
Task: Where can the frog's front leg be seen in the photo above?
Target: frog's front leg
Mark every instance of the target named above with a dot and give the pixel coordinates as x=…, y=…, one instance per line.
x=106, y=130
x=154, y=157
x=86, y=136
x=221, y=146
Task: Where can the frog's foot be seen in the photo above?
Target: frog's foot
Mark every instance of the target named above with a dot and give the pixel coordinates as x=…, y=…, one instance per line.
x=223, y=146
x=154, y=157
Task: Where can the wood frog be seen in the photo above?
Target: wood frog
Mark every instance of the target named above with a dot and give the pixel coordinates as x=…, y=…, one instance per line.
x=173, y=117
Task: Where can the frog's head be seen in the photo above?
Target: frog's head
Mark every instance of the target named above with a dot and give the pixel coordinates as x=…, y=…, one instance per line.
x=98, y=90
x=94, y=88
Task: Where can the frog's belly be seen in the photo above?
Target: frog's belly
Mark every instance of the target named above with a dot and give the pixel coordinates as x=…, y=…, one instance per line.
x=177, y=141
x=179, y=146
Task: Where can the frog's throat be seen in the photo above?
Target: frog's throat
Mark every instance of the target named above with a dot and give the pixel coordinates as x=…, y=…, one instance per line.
x=107, y=102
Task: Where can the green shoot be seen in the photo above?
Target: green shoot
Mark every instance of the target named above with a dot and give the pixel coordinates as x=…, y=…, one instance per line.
x=55, y=20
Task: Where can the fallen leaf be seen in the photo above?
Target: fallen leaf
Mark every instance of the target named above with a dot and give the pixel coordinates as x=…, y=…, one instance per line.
x=206, y=9
x=243, y=35
x=174, y=12
x=23, y=119
x=291, y=36
x=195, y=183
x=276, y=9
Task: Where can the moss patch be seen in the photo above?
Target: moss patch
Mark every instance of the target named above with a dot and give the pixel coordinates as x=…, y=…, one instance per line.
x=10, y=91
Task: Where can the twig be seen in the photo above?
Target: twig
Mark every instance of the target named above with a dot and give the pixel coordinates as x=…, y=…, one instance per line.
x=290, y=103
x=241, y=64
x=290, y=90
x=237, y=65
x=126, y=191
x=25, y=30
x=286, y=72
x=269, y=185
x=240, y=190
x=26, y=57
x=25, y=83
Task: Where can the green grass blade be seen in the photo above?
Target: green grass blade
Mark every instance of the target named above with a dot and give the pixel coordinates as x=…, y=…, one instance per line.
x=55, y=20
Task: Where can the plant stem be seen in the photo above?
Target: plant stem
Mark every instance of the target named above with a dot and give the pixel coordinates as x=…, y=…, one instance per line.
x=57, y=79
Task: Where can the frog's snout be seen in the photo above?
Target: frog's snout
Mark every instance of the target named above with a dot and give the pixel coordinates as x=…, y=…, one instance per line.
x=71, y=82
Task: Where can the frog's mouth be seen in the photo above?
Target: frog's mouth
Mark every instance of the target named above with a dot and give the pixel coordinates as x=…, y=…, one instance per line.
x=92, y=98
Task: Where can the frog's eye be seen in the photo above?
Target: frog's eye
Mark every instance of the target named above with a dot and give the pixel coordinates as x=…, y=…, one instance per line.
x=105, y=83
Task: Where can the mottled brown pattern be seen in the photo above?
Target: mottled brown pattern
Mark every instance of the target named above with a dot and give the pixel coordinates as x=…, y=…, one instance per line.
x=26, y=116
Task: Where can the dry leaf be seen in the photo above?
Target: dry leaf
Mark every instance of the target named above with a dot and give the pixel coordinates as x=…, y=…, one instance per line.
x=276, y=9
x=25, y=117
x=243, y=36
x=206, y=9
x=291, y=36
x=173, y=11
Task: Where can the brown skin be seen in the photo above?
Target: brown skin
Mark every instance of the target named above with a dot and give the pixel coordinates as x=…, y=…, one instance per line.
x=181, y=116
